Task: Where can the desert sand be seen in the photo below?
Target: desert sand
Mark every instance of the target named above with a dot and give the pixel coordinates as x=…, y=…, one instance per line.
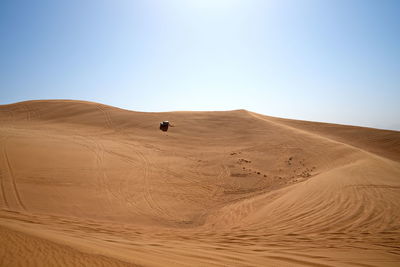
x=85, y=184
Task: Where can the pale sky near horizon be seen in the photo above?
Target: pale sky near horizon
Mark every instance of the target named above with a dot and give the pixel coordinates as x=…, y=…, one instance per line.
x=333, y=61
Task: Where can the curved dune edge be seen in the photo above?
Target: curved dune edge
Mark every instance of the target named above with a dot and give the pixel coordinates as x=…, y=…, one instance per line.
x=88, y=184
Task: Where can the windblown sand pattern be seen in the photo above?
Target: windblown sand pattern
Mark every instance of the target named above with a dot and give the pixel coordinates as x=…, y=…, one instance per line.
x=85, y=184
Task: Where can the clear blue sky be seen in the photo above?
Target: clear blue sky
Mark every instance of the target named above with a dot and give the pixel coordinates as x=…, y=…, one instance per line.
x=334, y=61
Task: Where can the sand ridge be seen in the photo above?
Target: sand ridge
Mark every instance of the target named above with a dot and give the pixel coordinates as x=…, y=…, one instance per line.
x=95, y=185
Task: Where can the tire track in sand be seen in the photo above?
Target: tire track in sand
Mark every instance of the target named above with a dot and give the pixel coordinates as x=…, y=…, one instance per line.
x=117, y=195
x=31, y=112
x=123, y=193
x=3, y=192
x=103, y=177
x=94, y=150
x=106, y=115
x=147, y=185
x=220, y=180
x=12, y=177
x=148, y=188
x=28, y=114
x=99, y=151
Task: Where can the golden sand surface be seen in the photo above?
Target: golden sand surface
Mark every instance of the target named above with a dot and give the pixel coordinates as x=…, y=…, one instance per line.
x=85, y=184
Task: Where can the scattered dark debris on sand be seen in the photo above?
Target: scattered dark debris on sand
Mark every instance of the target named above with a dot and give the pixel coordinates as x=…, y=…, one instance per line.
x=240, y=161
x=298, y=169
x=304, y=174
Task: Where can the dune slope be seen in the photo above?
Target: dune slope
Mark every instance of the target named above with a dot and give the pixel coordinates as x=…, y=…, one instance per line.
x=88, y=184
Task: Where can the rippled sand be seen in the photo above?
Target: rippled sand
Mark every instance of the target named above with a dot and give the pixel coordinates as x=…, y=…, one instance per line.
x=85, y=184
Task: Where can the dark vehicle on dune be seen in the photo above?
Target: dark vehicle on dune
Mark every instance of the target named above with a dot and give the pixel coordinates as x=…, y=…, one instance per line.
x=164, y=126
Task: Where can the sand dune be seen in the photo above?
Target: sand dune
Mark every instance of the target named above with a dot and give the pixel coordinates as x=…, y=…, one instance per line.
x=85, y=184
